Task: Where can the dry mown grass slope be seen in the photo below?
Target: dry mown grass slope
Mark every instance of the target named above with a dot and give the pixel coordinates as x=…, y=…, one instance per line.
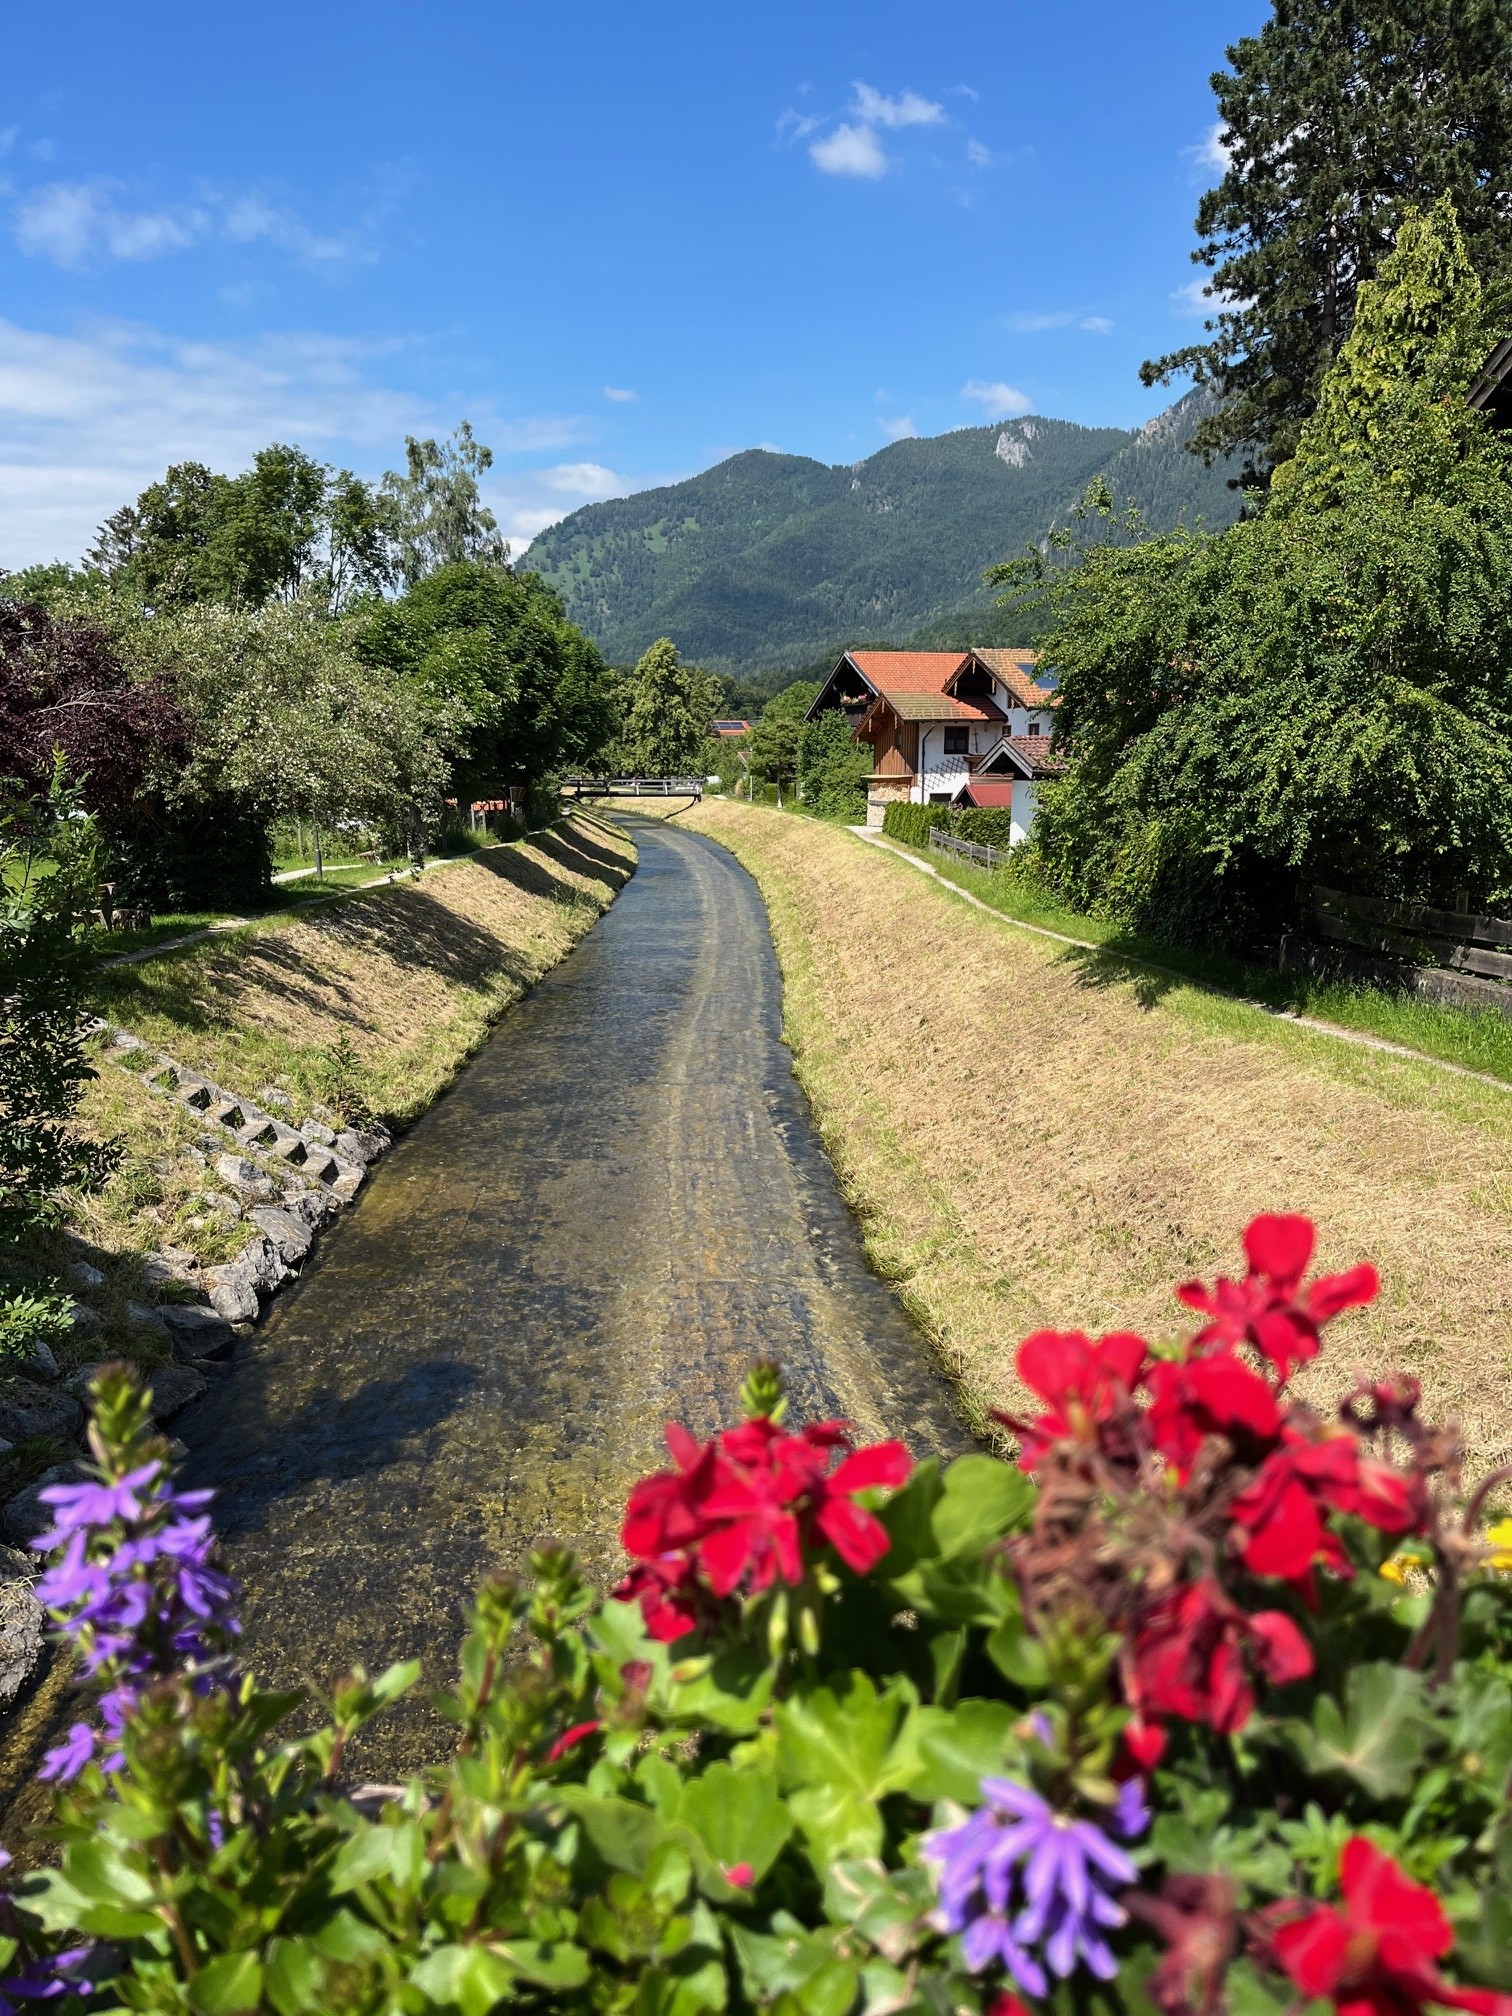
x=411, y=975
x=1040, y=1137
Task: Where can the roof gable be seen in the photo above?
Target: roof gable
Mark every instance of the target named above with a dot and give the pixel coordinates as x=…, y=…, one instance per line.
x=1016, y=670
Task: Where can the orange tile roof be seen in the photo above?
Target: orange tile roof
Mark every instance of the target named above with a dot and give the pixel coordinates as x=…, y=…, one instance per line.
x=913, y=684
x=1016, y=670
x=909, y=671
x=994, y=792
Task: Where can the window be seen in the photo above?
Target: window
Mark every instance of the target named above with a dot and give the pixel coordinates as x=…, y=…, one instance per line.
x=939, y=797
x=957, y=741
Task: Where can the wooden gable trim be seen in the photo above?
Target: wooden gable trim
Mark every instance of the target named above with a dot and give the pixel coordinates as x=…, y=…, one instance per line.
x=822, y=699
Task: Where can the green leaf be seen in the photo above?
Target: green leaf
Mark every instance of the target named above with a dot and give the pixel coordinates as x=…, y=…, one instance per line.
x=984, y=1499
x=396, y=1852
x=833, y=1747
x=738, y=1815
x=293, y=1976
x=1018, y=1656
x=1380, y=1736
x=477, y=1977
x=955, y=1748
x=234, y=1981
x=623, y=1832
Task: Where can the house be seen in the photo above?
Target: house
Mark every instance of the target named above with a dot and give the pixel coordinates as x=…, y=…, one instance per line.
x=937, y=721
x=729, y=729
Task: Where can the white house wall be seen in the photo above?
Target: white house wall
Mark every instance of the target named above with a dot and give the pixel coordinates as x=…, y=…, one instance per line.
x=1021, y=812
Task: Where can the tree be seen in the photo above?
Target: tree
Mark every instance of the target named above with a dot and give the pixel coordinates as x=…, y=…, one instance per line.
x=521, y=691
x=290, y=721
x=833, y=767
x=438, y=511
x=288, y=527
x=1336, y=119
x=65, y=690
x=49, y=861
x=1321, y=691
x=671, y=706
x=774, y=737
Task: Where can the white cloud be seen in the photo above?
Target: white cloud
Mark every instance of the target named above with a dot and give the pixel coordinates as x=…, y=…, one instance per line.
x=978, y=155
x=78, y=224
x=87, y=421
x=908, y=109
x=1034, y=322
x=850, y=150
x=582, y=479
x=901, y=429
x=1211, y=154
x=621, y=395
x=1193, y=299
x=998, y=401
x=794, y=126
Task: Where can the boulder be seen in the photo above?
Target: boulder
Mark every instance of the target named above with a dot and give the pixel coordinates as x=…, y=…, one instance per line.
x=82, y=1275
x=234, y=1288
x=361, y=1144
x=197, y=1332
x=315, y=1207
x=238, y=1174
x=84, y=1319
x=23, y=1517
x=40, y=1362
x=174, y=1387
x=21, y=1621
x=275, y=1099
x=140, y=1317
x=169, y=1263
x=347, y=1181
x=27, y=1411
x=317, y=1130
x=291, y=1237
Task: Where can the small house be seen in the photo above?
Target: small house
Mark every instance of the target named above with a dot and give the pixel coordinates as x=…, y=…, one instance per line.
x=937, y=720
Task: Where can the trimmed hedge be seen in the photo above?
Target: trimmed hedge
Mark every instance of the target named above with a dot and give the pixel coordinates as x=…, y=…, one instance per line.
x=987, y=825
x=911, y=823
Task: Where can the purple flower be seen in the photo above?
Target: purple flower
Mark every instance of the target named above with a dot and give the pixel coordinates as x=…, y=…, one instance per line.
x=137, y=1590
x=1131, y=1815
x=1028, y=1886
x=69, y=1757
x=49, y=1976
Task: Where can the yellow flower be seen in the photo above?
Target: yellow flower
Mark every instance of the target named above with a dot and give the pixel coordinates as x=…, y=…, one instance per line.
x=1500, y=1537
x=1394, y=1570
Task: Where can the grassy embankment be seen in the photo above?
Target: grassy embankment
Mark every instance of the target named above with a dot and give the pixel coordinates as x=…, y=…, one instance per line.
x=1035, y=1135
x=367, y=1004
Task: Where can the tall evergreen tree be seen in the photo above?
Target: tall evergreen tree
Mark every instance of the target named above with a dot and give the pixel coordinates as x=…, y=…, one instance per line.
x=1336, y=118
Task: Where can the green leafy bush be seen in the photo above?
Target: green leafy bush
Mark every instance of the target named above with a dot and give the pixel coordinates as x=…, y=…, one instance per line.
x=911, y=823
x=1206, y=1705
x=833, y=767
x=986, y=825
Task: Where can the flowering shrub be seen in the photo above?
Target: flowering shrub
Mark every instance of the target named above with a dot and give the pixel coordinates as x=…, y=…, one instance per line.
x=1204, y=1705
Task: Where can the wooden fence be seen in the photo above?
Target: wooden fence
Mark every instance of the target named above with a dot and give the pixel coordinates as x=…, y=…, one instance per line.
x=1456, y=941
x=968, y=850
x=633, y=787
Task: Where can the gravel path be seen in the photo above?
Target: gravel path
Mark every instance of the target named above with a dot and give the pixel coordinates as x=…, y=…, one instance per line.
x=621, y=1202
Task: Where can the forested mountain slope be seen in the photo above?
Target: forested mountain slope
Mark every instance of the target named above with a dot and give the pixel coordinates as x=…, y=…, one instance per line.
x=771, y=560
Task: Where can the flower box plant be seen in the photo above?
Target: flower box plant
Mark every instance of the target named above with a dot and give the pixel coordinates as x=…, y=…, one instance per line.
x=1137, y=1724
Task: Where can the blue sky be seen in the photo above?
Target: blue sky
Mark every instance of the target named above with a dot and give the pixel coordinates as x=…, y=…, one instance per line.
x=624, y=242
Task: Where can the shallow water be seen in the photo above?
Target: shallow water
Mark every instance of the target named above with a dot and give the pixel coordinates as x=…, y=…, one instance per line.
x=620, y=1203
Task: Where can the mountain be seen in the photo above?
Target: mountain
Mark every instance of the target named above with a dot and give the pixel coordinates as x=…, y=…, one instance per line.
x=769, y=561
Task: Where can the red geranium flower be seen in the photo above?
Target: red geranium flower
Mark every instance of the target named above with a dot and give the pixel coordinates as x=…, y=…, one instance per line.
x=1081, y=1382
x=742, y=1509
x=1376, y=1956
x=1194, y=1650
x=1268, y=1308
x=1279, y=1516
x=1212, y=1395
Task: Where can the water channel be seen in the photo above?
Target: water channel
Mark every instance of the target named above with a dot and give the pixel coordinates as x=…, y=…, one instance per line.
x=619, y=1204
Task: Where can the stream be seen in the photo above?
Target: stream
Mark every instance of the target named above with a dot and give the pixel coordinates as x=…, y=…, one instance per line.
x=618, y=1205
